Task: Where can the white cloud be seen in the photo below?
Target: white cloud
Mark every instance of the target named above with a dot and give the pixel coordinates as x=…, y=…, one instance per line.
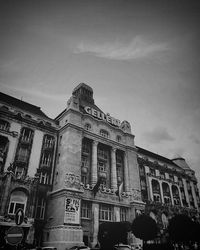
x=157, y=135
x=137, y=48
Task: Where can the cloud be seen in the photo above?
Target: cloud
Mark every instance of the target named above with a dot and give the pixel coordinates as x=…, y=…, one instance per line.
x=31, y=91
x=137, y=48
x=157, y=135
x=194, y=139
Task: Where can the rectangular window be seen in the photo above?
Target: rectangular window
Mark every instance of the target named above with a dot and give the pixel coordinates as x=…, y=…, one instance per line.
x=14, y=206
x=44, y=179
x=26, y=135
x=101, y=166
x=102, y=153
x=86, y=148
x=4, y=125
x=46, y=159
x=40, y=208
x=106, y=213
x=86, y=210
x=123, y=214
x=48, y=141
x=22, y=154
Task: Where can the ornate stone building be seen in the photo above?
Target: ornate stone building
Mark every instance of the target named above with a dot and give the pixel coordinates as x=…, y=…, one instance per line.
x=168, y=187
x=27, y=152
x=96, y=156
x=81, y=169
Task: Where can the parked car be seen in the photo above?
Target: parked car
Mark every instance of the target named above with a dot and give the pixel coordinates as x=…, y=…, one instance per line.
x=79, y=248
x=122, y=247
x=48, y=248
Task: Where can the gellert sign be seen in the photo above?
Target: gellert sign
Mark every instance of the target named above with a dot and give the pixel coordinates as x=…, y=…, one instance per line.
x=101, y=116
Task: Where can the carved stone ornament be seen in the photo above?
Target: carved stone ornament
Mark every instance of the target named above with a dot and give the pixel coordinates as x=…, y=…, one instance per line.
x=136, y=194
x=72, y=181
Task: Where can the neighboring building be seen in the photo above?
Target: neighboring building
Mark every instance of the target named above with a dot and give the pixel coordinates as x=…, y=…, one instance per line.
x=27, y=151
x=168, y=187
x=81, y=169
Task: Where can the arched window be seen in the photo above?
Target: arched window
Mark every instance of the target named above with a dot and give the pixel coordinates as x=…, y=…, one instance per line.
x=18, y=200
x=166, y=193
x=104, y=133
x=176, y=196
x=156, y=190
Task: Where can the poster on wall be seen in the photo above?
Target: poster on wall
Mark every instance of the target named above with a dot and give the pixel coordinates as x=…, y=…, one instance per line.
x=72, y=211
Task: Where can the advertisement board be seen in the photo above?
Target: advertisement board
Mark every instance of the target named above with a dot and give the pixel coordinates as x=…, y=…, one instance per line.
x=72, y=211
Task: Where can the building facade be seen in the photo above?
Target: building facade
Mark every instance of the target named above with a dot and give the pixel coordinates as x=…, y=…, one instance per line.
x=168, y=187
x=81, y=169
x=27, y=153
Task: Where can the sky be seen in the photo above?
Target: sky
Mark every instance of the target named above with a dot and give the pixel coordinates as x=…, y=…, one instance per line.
x=141, y=58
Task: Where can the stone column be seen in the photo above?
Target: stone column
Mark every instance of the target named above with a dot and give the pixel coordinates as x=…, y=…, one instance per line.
x=117, y=213
x=113, y=169
x=150, y=188
x=94, y=171
x=95, y=218
x=161, y=192
x=194, y=195
x=179, y=192
x=171, y=194
x=186, y=192
x=126, y=175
